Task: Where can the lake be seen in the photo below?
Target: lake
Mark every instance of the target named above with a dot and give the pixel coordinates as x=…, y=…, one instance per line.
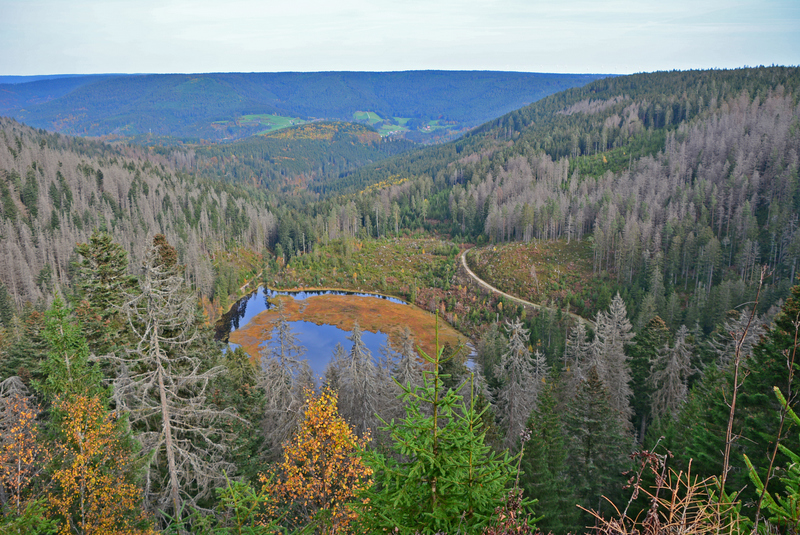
x=322, y=318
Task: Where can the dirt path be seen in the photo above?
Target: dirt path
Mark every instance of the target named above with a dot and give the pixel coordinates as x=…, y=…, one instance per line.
x=491, y=288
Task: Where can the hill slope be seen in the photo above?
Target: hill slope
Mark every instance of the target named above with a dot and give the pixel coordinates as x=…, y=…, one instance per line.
x=188, y=105
x=685, y=182
x=55, y=190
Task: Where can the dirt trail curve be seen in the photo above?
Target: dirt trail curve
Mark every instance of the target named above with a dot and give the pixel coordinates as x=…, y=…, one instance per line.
x=491, y=288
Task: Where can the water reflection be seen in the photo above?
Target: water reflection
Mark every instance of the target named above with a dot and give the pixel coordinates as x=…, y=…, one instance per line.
x=249, y=306
x=319, y=340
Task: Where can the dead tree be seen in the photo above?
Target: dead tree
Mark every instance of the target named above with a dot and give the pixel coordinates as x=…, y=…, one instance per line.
x=162, y=385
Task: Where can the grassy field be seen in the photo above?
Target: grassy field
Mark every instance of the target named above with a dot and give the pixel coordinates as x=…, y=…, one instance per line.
x=541, y=272
x=368, y=116
x=389, y=265
x=270, y=122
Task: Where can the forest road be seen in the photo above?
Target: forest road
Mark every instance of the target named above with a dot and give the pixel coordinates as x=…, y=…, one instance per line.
x=482, y=283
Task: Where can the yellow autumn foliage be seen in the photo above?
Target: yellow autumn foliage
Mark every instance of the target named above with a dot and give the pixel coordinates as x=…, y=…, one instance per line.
x=91, y=492
x=322, y=472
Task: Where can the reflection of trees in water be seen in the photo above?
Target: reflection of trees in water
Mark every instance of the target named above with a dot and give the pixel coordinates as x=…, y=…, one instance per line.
x=231, y=320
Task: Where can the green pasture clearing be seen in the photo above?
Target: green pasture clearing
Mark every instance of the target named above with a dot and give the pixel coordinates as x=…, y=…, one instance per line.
x=369, y=116
x=388, y=129
x=271, y=122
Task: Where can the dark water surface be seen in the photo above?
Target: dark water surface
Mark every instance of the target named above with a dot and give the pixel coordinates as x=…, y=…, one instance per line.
x=319, y=340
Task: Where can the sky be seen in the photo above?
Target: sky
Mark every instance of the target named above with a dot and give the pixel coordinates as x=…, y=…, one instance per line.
x=561, y=36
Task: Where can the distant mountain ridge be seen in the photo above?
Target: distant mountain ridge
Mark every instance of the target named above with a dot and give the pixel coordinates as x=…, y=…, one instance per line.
x=209, y=106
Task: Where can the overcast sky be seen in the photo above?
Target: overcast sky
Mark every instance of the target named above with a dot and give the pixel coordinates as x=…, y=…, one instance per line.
x=566, y=36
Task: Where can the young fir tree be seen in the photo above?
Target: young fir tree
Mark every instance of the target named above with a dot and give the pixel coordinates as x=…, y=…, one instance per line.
x=67, y=370
x=440, y=475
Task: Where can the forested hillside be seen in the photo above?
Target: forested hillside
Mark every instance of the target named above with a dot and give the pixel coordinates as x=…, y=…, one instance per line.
x=683, y=182
x=209, y=106
x=56, y=190
x=294, y=159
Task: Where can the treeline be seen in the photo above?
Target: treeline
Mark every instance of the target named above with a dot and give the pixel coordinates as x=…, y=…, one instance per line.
x=120, y=413
x=55, y=190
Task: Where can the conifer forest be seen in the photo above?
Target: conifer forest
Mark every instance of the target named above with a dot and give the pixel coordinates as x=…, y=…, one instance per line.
x=619, y=257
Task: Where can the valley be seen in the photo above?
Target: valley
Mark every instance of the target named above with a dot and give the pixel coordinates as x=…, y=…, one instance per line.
x=617, y=258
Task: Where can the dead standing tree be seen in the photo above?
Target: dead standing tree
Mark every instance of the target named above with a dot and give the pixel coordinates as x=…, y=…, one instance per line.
x=284, y=376
x=162, y=386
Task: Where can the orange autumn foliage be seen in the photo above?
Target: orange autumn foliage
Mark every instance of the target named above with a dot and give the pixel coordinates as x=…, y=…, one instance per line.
x=91, y=491
x=21, y=455
x=322, y=472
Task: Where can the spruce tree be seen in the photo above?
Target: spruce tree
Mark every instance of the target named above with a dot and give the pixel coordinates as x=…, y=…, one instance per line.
x=362, y=386
x=611, y=361
x=163, y=385
x=544, y=467
x=644, y=352
x=517, y=397
x=439, y=476
x=670, y=376
x=597, y=444
x=283, y=376
x=103, y=282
